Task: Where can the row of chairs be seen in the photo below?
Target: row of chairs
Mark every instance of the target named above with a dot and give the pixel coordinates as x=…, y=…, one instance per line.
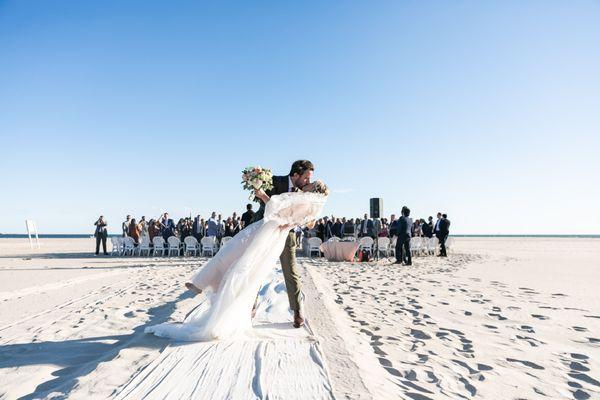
x=125, y=246
x=385, y=246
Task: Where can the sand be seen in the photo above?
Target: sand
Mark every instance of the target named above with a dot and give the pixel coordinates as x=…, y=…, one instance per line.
x=500, y=318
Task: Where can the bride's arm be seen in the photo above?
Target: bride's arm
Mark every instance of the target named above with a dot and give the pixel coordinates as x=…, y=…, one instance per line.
x=262, y=195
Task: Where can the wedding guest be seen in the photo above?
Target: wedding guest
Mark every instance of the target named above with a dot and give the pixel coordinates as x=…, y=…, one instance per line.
x=403, y=241
x=349, y=228
x=143, y=227
x=430, y=223
x=228, y=227
x=393, y=230
x=436, y=227
x=212, y=226
x=237, y=225
x=101, y=234
x=327, y=225
x=198, y=228
x=167, y=228
x=336, y=229
x=134, y=231
x=427, y=229
x=384, y=231
x=321, y=229
x=125, y=225
x=443, y=234
x=247, y=216
x=417, y=232
x=367, y=228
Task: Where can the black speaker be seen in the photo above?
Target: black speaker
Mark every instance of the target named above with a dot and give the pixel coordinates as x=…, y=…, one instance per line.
x=376, y=207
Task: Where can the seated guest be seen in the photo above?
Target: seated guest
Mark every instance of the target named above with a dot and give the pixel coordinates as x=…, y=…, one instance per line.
x=101, y=234
x=134, y=231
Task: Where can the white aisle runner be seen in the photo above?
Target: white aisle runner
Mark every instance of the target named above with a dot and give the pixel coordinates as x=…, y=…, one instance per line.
x=276, y=362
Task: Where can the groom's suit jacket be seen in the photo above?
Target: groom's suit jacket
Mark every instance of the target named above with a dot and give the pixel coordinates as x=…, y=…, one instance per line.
x=280, y=185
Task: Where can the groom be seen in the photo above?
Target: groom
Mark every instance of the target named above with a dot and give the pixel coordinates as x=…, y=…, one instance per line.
x=300, y=175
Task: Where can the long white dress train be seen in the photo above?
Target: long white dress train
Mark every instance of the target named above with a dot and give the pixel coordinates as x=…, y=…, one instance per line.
x=233, y=277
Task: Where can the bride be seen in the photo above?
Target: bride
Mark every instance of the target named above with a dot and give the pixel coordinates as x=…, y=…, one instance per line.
x=233, y=277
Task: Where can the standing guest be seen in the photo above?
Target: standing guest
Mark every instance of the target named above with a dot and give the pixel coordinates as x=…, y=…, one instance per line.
x=403, y=242
x=144, y=227
x=328, y=224
x=367, y=228
x=167, y=228
x=220, y=227
x=427, y=229
x=436, y=227
x=101, y=234
x=393, y=226
x=298, y=232
x=248, y=216
x=430, y=223
x=125, y=225
x=153, y=229
x=384, y=231
x=349, y=228
x=321, y=229
x=198, y=228
x=417, y=232
x=228, y=230
x=443, y=234
x=336, y=229
x=134, y=232
x=237, y=225
x=212, y=226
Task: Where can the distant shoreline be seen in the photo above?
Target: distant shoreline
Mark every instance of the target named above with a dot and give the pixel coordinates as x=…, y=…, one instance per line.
x=84, y=236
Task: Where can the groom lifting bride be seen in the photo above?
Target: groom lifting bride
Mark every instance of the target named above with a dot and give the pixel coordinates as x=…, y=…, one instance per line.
x=233, y=277
x=300, y=175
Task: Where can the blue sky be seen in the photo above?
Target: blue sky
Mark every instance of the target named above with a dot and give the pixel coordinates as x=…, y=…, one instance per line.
x=486, y=110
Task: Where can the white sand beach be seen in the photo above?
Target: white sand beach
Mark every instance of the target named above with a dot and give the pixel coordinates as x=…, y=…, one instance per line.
x=500, y=318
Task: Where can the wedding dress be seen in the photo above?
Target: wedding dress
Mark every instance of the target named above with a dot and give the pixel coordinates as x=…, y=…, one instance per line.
x=232, y=278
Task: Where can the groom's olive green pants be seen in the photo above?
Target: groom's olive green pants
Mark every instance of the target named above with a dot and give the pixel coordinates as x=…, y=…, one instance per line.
x=290, y=272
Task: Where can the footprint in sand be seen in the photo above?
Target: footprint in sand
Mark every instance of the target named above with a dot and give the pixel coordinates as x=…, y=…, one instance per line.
x=526, y=363
x=541, y=317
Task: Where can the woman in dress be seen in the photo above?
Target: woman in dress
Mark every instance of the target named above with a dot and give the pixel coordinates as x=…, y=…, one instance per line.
x=232, y=278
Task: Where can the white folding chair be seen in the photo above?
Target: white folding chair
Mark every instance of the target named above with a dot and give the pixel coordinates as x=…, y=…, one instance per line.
x=449, y=244
x=334, y=239
x=174, y=245
x=159, y=245
x=314, y=244
x=144, y=245
x=128, y=246
x=432, y=245
x=224, y=240
x=190, y=245
x=115, y=242
x=208, y=245
x=383, y=246
x=366, y=243
x=415, y=245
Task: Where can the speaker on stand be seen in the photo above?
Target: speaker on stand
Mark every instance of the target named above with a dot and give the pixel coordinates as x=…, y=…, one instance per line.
x=376, y=211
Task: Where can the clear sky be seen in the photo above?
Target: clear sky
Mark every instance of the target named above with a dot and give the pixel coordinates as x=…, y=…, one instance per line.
x=489, y=111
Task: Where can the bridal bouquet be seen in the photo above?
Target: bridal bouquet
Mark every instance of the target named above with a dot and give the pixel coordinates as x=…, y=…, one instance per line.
x=255, y=178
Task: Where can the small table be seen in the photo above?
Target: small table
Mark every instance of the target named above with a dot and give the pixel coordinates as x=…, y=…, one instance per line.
x=339, y=251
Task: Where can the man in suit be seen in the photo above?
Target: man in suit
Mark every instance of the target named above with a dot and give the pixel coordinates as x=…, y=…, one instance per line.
x=101, y=234
x=367, y=228
x=167, y=227
x=436, y=226
x=248, y=216
x=443, y=234
x=393, y=231
x=125, y=226
x=403, y=241
x=300, y=175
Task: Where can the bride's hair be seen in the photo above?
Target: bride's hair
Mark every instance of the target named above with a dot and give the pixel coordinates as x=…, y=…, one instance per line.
x=320, y=187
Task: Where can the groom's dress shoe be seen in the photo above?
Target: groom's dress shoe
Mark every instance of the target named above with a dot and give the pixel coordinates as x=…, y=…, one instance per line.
x=298, y=319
